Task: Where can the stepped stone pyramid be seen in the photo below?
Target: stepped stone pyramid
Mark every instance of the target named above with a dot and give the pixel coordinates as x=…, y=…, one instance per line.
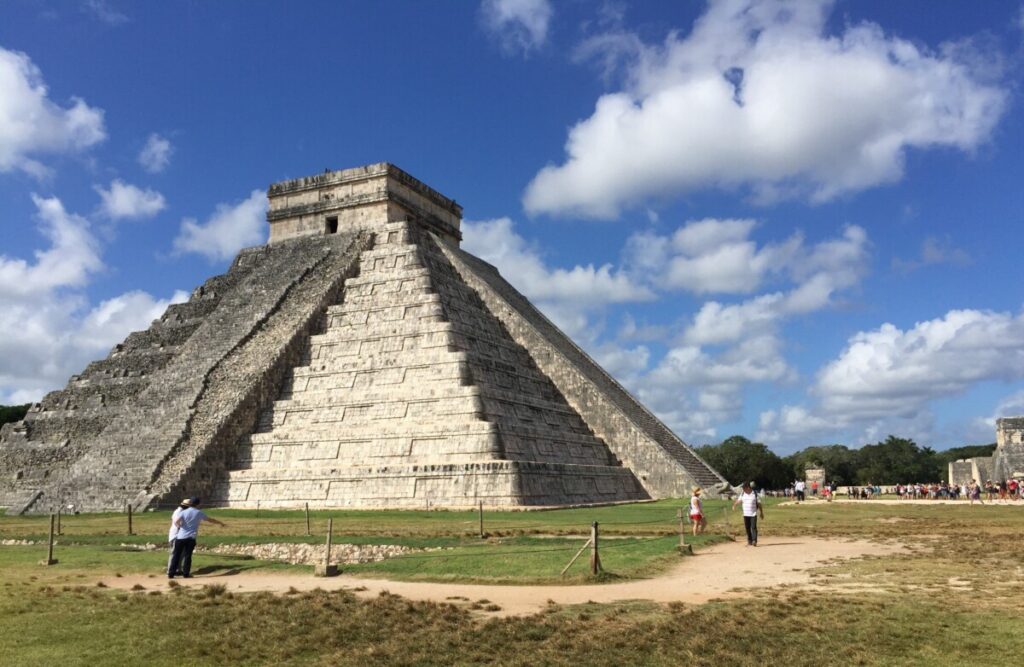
x=359, y=359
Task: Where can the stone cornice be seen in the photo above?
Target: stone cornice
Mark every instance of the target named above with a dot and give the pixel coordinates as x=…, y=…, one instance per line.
x=364, y=173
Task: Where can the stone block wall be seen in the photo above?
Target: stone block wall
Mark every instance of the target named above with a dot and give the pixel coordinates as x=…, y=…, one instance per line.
x=981, y=468
x=961, y=472
x=1008, y=459
x=664, y=464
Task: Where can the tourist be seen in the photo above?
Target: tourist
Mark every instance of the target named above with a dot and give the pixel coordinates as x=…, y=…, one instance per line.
x=976, y=492
x=697, y=512
x=800, y=486
x=173, y=531
x=187, y=524
x=751, y=507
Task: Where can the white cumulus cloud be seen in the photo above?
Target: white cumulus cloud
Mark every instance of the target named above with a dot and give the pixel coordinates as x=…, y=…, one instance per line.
x=156, y=154
x=48, y=329
x=565, y=295
x=520, y=25
x=230, y=228
x=889, y=376
x=32, y=124
x=73, y=255
x=893, y=370
x=760, y=94
x=123, y=201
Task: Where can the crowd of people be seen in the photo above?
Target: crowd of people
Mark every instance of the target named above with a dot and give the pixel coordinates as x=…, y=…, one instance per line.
x=973, y=491
x=1007, y=489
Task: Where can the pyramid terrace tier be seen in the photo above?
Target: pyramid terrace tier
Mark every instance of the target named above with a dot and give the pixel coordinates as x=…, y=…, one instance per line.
x=457, y=435
x=423, y=486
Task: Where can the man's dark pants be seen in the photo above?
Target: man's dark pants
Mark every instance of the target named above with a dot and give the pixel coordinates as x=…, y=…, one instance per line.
x=749, y=522
x=181, y=559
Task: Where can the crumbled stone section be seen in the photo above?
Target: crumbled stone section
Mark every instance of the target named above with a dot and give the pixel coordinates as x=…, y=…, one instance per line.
x=1008, y=459
x=313, y=554
x=664, y=464
x=415, y=396
x=121, y=462
x=37, y=451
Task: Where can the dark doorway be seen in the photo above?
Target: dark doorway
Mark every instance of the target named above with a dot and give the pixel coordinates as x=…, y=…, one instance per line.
x=332, y=225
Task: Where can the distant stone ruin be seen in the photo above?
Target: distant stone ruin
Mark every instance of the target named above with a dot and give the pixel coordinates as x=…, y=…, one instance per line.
x=814, y=473
x=1006, y=461
x=359, y=359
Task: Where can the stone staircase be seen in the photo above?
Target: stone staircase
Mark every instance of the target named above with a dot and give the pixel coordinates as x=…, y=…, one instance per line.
x=413, y=395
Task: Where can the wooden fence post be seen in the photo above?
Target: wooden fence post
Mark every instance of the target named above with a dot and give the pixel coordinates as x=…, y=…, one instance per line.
x=59, y=532
x=50, y=560
x=130, y=520
x=481, y=519
x=326, y=569
x=595, y=558
x=307, y=518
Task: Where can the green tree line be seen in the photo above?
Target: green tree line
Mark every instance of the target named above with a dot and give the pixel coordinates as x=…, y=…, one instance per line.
x=891, y=461
x=12, y=413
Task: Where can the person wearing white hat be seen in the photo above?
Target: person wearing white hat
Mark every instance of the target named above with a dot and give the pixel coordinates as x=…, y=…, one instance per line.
x=185, y=504
x=187, y=525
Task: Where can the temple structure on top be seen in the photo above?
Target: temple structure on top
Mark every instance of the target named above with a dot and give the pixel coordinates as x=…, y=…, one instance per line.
x=359, y=359
x=1006, y=461
x=359, y=199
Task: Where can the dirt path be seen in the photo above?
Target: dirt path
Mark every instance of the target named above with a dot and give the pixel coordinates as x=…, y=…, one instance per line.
x=712, y=573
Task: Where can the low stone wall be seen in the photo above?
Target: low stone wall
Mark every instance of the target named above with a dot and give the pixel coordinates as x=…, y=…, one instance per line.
x=312, y=554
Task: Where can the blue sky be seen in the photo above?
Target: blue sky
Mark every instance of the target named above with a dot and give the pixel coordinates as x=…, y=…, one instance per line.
x=794, y=221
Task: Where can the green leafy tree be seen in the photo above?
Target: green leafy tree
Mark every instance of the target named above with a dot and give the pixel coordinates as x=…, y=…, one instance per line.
x=839, y=462
x=740, y=460
x=896, y=460
x=968, y=452
x=13, y=413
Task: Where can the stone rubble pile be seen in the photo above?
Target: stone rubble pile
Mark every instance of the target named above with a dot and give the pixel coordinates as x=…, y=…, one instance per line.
x=310, y=554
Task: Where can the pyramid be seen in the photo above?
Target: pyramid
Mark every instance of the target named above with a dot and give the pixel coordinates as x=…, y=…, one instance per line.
x=360, y=359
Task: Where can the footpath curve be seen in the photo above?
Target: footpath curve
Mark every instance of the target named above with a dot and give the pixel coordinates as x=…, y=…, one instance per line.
x=722, y=571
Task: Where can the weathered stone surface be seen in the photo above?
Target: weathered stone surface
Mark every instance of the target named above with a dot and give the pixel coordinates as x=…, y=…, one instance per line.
x=664, y=465
x=359, y=360
x=313, y=554
x=1008, y=459
x=961, y=472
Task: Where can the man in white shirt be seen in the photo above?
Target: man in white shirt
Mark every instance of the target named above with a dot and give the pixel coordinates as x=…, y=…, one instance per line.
x=173, y=532
x=801, y=486
x=187, y=525
x=751, y=507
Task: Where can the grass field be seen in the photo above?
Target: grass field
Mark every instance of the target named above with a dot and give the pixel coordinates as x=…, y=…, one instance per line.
x=956, y=595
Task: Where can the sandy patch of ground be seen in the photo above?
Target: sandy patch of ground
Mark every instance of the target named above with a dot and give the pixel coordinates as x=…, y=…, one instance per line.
x=720, y=571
